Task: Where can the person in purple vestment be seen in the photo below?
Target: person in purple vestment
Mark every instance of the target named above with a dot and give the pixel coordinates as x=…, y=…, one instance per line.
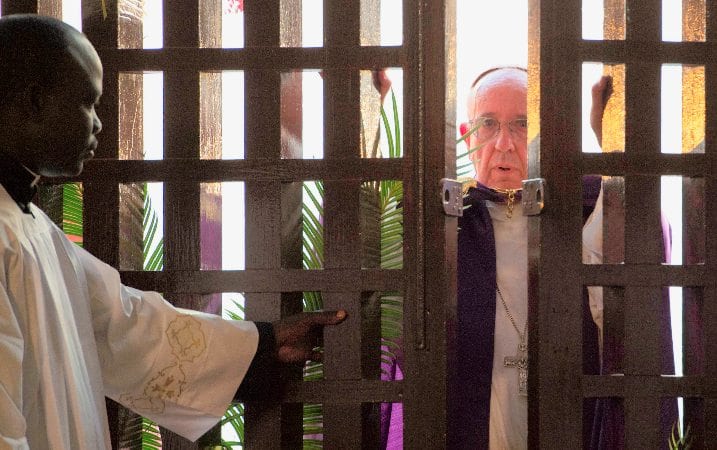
x=487, y=394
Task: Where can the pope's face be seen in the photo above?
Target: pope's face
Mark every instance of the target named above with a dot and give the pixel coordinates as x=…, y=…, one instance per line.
x=501, y=161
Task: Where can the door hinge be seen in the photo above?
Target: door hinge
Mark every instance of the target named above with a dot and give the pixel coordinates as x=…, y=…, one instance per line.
x=451, y=191
x=533, y=196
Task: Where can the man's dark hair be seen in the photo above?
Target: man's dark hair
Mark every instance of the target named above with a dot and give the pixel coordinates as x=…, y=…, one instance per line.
x=32, y=49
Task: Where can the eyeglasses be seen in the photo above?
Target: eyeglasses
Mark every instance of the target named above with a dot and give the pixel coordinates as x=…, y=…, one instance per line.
x=486, y=128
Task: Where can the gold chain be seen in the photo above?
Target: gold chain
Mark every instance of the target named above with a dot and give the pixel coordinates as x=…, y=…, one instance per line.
x=510, y=316
x=511, y=200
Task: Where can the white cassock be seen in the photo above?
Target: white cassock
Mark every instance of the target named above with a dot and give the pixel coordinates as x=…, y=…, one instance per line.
x=508, y=427
x=71, y=334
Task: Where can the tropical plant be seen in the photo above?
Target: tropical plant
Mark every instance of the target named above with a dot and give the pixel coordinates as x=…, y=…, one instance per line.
x=381, y=204
x=678, y=440
x=63, y=204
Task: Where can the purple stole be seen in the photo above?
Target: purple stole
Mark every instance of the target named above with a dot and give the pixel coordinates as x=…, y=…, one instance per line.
x=470, y=373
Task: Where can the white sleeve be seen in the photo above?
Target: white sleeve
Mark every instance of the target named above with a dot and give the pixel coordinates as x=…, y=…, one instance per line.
x=179, y=368
x=13, y=426
x=593, y=254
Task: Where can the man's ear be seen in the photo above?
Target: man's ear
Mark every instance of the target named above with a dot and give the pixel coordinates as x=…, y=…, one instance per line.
x=33, y=101
x=465, y=128
x=37, y=98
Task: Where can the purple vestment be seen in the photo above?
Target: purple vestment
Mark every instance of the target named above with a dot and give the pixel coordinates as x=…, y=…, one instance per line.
x=469, y=377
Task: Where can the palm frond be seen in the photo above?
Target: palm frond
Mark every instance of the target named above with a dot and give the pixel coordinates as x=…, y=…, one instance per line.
x=139, y=433
x=152, y=245
x=72, y=211
x=234, y=417
x=391, y=225
x=313, y=259
x=678, y=440
x=312, y=301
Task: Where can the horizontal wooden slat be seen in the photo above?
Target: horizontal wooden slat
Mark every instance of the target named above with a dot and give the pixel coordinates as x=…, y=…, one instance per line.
x=640, y=52
x=259, y=169
x=647, y=386
x=282, y=280
x=369, y=391
x=646, y=275
x=617, y=164
x=206, y=59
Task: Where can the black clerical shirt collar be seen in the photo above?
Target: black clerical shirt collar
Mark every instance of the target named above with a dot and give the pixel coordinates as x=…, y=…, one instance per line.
x=19, y=181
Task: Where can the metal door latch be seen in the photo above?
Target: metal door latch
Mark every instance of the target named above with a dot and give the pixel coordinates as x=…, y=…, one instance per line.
x=451, y=193
x=533, y=196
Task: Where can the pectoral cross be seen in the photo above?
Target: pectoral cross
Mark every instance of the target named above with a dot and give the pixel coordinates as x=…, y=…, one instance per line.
x=520, y=362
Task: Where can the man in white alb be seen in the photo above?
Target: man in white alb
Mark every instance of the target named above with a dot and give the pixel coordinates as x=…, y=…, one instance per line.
x=70, y=332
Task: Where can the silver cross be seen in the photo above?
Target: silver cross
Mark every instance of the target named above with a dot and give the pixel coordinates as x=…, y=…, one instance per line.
x=520, y=362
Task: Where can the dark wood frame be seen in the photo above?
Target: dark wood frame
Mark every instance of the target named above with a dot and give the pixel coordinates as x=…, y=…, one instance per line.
x=557, y=274
x=427, y=281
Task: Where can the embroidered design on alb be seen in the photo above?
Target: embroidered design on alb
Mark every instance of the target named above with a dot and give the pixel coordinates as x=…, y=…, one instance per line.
x=188, y=343
x=168, y=384
x=143, y=403
x=186, y=338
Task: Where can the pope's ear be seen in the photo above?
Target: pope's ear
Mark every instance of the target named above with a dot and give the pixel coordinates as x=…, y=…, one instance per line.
x=464, y=128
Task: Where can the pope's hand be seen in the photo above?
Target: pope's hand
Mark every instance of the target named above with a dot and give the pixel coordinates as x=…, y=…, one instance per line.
x=298, y=335
x=601, y=92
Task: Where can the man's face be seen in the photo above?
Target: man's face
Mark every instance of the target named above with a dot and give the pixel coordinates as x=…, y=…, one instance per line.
x=502, y=160
x=66, y=123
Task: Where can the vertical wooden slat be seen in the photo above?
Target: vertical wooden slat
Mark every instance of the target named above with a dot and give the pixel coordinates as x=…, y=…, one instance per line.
x=101, y=228
x=291, y=112
x=709, y=306
x=263, y=227
x=643, y=21
x=263, y=251
x=642, y=357
x=613, y=131
x=342, y=422
x=559, y=390
x=709, y=293
x=181, y=140
x=413, y=251
x=710, y=338
x=614, y=22
x=131, y=146
x=693, y=136
x=341, y=106
x=642, y=431
x=369, y=217
x=430, y=236
x=291, y=202
x=642, y=222
x=210, y=140
x=613, y=139
x=52, y=8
